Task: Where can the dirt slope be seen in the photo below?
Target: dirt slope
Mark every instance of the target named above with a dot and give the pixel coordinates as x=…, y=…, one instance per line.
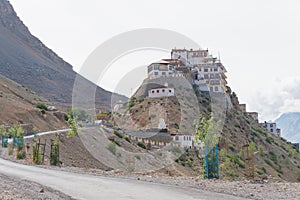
x=18, y=105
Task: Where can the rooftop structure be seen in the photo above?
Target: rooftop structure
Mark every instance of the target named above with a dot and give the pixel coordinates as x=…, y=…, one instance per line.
x=206, y=68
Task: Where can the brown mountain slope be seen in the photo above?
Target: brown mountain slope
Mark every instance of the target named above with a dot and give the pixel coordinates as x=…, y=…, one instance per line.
x=27, y=61
x=18, y=105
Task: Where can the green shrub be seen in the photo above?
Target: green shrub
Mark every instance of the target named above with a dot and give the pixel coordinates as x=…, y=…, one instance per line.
x=54, y=154
x=127, y=139
x=112, y=148
x=21, y=154
x=273, y=157
x=269, y=140
x=138, y=157
x=37, y=153
x=42, y=106
x=142, y=145
x=118, y=134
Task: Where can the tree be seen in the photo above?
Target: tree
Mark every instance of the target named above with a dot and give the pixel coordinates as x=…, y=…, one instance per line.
x=74, y=126
x=3, y=131
x=16, y=130
x=207, y=132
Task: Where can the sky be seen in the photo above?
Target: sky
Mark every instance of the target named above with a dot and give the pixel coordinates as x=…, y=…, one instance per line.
x=258, y=41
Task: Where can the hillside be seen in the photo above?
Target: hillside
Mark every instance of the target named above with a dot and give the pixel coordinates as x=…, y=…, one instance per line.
x=27, y=61
x=290, y=126
x=18, y=104
x=274, y=155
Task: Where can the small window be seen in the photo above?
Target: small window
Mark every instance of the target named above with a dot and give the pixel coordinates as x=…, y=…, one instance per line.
x=170, y=91
x=152, y=91
x=205, y=70
x=176, y=138
x=215, y=69
x=163, y=73
x=157, y=91
x=156, y=73
x=163, y=90
x=271, y=130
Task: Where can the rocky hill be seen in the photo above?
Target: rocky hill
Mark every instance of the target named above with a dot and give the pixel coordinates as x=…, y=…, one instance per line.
x=290, y=126
x=27, y=61
x=272, y=155
x=18, y=104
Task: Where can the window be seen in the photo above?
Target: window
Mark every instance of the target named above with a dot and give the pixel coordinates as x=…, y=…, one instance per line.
x=163, y=90
x=170, y=91
x=216, y=88
x=215, y=69
x=156, y=73
x=271, y=125
x=157, y=91
x=176, y=138
x=205, y=70
x=271, y=130
x=152, y=91
x=163, y=73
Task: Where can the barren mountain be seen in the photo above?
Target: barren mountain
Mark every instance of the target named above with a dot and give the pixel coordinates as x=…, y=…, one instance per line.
x=27, y=61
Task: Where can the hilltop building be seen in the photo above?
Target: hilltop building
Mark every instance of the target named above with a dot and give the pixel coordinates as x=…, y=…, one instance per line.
x=206, y=71
x=271, y=126
x=162, y=91
x=206, y=68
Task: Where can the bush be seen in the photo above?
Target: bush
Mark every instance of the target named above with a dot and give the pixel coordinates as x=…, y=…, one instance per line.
x=118, y=134
x=54, y=154
x=42, y=106
x=127, y=139
x=138, y=157
x=273, y=157
x=37, y=153
x=112, y=148
x=269, y=140
x=142, y=145
x=21, y=154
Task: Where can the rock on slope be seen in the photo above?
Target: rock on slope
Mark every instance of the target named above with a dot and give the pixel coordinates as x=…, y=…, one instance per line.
x=26, y=60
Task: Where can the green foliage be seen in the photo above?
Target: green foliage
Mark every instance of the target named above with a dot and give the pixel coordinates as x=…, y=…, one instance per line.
x=79, y=115
x=127, y=139
x=252, y=147
x=131, y=102
x=138, y=157
x=37, y=153
x=54, y=154
x=3, y=131
x=269, y=140
x=228, y=165
x=118, y=134
x=273, y=157
x=142, y=145
x=74, y=126
x=21, y=154
x=112, y=147
x=42, y=107
x=207, y=132
x=16, y=130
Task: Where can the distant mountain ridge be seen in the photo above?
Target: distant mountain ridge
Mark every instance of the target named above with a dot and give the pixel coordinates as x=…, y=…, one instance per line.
x=290, y=126
x=26, y=60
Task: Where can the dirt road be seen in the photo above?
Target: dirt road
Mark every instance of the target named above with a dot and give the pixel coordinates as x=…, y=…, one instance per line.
x=84, y=186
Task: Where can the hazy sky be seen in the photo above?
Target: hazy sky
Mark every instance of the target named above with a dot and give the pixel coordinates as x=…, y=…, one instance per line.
x=258, y=40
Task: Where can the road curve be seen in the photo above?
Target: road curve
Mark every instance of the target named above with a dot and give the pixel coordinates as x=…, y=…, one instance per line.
x=84, y=186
